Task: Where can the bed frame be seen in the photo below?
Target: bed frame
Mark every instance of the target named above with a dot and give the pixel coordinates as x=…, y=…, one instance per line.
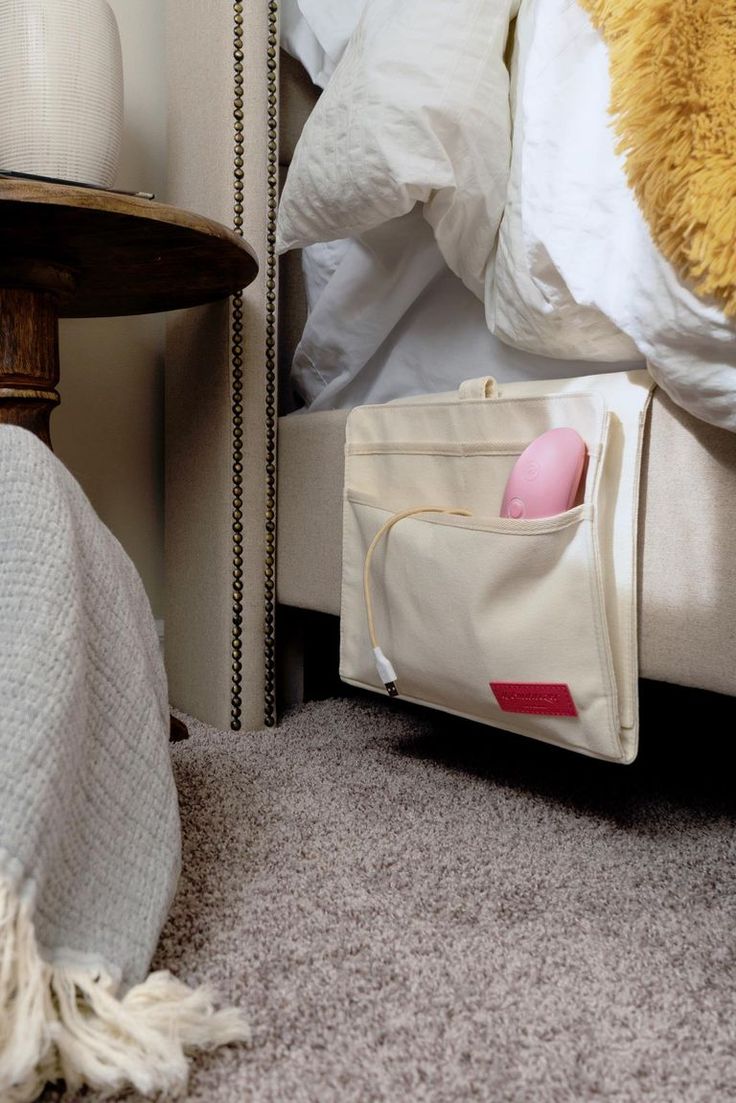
x=237, y=564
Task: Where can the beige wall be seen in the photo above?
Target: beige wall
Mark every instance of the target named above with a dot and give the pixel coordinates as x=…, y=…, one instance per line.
x=109, y=428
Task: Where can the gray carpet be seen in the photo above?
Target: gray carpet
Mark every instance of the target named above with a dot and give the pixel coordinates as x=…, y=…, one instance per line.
x=412, y=908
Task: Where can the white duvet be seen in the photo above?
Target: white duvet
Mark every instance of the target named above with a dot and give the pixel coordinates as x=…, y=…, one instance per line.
x=572, y=273
x=584, y=237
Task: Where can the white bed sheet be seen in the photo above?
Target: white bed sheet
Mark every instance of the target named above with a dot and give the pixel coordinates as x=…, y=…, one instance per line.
x=388, y=319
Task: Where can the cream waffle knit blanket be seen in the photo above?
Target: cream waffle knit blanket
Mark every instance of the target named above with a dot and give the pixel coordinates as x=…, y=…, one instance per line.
x=89, y=823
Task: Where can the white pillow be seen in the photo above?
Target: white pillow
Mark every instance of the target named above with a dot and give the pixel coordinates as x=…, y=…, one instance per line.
x=299, y=40
x=316, y=33
x=416, y=111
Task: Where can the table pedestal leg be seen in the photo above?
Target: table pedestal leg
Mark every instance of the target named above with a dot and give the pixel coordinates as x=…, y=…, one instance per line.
x=29, y=359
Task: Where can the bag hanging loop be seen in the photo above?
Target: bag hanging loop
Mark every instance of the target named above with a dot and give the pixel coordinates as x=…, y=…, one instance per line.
x=484, y=387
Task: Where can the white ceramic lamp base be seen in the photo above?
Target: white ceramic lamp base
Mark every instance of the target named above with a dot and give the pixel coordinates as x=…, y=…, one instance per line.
x=61, y=89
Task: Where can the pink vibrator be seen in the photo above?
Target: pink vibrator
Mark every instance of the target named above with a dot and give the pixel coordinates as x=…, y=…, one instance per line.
x=546, y=477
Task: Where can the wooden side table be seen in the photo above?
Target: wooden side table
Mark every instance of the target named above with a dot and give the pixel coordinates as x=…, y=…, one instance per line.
x=68, y=252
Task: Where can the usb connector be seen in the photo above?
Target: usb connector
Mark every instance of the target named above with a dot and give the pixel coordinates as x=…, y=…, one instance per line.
x=386, y=672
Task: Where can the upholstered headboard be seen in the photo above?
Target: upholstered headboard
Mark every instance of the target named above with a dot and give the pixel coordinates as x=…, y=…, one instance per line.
x=221, y=370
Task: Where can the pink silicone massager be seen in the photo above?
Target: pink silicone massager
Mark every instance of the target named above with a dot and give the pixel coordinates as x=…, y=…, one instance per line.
x=546, y=477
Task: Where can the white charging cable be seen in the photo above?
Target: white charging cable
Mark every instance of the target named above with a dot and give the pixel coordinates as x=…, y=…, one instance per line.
x=385, y=669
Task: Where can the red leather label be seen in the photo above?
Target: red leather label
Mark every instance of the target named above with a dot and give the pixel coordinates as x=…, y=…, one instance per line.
x=536, y=698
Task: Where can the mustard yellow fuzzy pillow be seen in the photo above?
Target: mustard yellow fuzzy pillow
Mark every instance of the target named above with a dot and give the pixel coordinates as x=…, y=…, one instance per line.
x=673, y=77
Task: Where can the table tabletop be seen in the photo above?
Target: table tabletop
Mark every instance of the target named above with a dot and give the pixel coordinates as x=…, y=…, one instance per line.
x=107, y=254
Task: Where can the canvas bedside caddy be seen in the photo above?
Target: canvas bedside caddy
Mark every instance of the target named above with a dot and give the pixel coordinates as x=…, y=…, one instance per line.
x=527, y=625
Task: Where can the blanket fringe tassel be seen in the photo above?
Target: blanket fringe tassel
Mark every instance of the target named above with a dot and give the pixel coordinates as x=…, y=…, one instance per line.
x=63, y=1023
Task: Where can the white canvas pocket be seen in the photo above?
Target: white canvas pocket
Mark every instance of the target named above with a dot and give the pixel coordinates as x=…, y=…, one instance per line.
x=508, y=622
